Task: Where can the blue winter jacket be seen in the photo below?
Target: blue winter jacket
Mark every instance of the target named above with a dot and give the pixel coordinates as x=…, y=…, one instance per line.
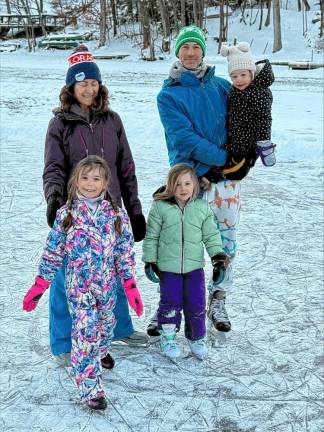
x=193, y=113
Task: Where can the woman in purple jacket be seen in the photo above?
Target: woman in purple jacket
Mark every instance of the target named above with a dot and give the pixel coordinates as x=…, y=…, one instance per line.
x=84, y=125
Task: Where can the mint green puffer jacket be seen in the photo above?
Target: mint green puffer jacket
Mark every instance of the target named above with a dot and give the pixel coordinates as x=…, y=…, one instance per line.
x=175, y=237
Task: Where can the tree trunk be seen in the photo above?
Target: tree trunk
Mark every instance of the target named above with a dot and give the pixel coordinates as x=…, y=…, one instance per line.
x=175, y=15
x=322, y=18
x=39, y=6
x=261, y=15
x=8, y=7
x=114, y=16
x=145, y=22
x=164, y=18
x=306, y=4
x=183, y=12
x=277, y=44
x=267, y=21
x=103, y=23
x=195, y=11
x=221, y=24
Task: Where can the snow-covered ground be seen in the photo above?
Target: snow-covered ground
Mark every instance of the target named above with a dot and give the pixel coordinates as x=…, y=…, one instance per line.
x=266, y=375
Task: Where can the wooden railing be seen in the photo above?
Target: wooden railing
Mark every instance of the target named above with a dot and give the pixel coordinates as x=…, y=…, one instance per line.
x=20, y=21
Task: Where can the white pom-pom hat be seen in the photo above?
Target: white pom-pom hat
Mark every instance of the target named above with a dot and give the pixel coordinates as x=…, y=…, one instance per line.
x=238, y=57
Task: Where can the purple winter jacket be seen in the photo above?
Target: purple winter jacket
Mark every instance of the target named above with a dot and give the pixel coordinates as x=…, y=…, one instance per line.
x=70, y=138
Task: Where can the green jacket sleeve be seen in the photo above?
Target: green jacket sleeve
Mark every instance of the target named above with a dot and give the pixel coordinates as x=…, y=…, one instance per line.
x=153, y=230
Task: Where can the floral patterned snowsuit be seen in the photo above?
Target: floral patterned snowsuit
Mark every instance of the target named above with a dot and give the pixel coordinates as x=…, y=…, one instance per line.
x=95, y=254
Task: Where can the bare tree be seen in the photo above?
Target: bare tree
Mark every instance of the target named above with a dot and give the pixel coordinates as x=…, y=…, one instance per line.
x=322, y=18
x=183, y=12
x=175, y=15
x=103, y=23
x=277, y=43
x=114, y=16
x=8, y=7
x=165, y=25
x=198, y=9
x=267, y=21
x=40, y=8
x=145, y=22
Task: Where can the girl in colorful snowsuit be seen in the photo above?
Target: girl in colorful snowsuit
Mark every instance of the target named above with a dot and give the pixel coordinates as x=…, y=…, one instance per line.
x=179, y=225
x=92, y=234
x=85, y=125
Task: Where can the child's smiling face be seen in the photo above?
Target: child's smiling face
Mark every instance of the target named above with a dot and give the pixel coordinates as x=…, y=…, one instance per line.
x=91, y=183
x=241, y=78
x=184, y=188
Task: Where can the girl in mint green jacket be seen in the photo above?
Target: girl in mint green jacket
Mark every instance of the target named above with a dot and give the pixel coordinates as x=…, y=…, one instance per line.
x=179, y=226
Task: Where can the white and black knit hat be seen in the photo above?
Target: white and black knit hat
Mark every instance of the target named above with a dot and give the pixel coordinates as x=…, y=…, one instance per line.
x=238, y=57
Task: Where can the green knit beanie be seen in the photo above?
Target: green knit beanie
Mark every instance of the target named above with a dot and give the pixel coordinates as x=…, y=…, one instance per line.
x=191, y=34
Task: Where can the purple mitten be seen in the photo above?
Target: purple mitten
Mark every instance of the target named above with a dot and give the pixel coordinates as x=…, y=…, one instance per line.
x=133, y=296
x=34, y=294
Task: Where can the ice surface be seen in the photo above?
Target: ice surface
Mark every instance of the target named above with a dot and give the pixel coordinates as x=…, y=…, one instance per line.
x=266, y=375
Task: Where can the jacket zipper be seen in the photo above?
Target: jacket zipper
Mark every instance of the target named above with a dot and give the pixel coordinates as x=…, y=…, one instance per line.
x=182, y=240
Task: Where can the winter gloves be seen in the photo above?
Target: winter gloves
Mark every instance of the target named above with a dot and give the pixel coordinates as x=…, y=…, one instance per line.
x=231, y=170
x=152, y=272
x=214, y=175
x=54, y=202
x=133, y=296
x=35, y=293
x=138, y=226
x=219, y=263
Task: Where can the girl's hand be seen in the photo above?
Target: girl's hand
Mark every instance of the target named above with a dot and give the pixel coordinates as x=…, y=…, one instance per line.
x=152, y=272
x=133, y=296
x=35, y=293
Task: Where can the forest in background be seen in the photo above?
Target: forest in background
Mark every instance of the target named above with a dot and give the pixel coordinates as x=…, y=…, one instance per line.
x=149, y=21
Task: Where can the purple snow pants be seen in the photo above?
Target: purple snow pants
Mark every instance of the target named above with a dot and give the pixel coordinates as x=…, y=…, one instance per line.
x=183, y=292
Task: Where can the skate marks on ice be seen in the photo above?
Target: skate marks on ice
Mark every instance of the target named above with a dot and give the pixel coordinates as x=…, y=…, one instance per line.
x=263, y=376
x=266, y=375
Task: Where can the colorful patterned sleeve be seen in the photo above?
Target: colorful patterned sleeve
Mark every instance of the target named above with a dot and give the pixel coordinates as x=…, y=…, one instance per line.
x=53, y=254
x=124, y=254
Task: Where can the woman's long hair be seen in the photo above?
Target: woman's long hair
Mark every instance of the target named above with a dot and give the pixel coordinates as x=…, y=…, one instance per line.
x=175, y=172
x=101, y=103
x=84, y=166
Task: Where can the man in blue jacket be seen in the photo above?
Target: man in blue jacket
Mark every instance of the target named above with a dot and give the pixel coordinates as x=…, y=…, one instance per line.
x=193, y=110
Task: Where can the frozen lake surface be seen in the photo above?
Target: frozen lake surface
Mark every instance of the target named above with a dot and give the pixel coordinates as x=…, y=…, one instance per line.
x=266, y=375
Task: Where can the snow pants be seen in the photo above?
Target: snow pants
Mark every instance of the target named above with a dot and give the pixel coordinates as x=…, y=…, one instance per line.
x=225, y=202
x=183, y=292
x=93, y=325
x=60, y=323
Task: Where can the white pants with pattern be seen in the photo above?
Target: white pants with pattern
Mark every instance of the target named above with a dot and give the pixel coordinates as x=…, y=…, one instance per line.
x=224, y=200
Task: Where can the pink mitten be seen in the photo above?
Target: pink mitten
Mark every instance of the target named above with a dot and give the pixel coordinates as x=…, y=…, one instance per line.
x=133, y=296
x=35, y=293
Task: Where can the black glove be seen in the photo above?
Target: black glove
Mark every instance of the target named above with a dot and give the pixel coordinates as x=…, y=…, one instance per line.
x=219, y=263
x=152, y=272
x=54, y=202
x=238, y=170
x=214, y=174
x=138, y=226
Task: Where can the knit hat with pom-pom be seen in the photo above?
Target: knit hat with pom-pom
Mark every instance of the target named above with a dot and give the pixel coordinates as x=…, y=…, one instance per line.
x=81, y=67
x=238, y=57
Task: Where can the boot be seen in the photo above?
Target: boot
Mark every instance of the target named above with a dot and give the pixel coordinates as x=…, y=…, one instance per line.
x=198, y=348
x=167, y=340
x=152, y=328
x=98, y=403
x=217, y=312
